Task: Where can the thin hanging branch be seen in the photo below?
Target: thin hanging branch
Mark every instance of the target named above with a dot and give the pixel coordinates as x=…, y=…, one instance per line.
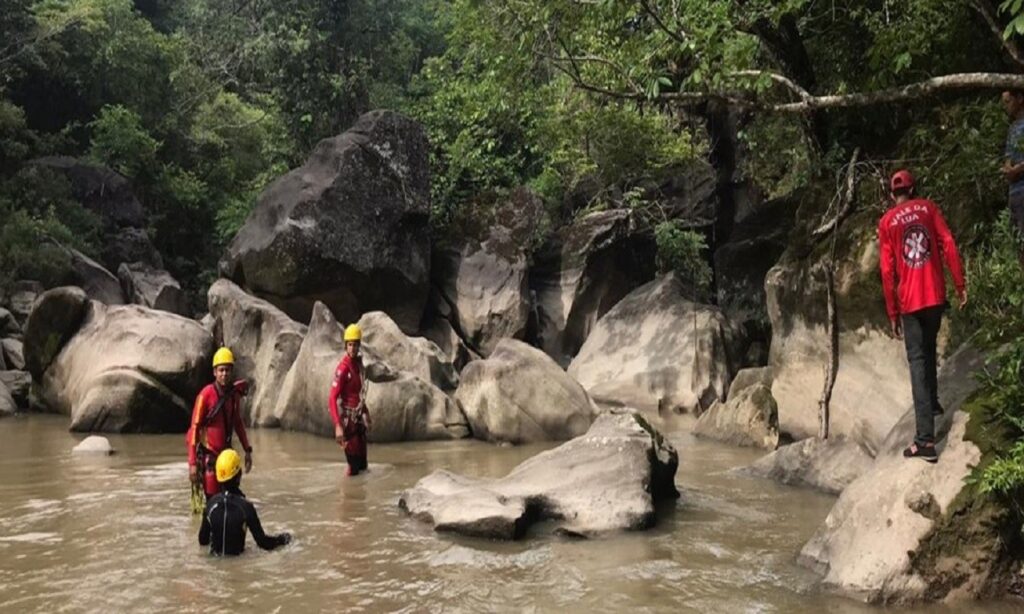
x=988, y=13
x=832, y=368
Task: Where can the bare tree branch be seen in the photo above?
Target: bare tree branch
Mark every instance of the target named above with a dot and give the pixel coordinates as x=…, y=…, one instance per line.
x=832, y=368
x=963, y=82
x=988, y=13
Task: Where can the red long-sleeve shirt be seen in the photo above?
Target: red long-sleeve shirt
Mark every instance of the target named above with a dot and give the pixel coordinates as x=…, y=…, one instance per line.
x=347, y=386
x=214, y=436
x=914, y=241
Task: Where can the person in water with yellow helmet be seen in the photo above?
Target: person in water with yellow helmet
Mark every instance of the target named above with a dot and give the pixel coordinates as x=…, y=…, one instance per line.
x=348, y=410
x=228, y=513
x=216, y=416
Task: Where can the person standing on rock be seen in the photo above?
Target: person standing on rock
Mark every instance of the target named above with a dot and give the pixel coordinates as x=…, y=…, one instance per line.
x=228, y=513
x=351, y=419
x=216, y=416
x=914, y=241
x=1013, y=163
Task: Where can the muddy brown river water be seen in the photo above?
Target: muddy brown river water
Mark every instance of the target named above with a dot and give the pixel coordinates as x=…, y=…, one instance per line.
x=115, y=534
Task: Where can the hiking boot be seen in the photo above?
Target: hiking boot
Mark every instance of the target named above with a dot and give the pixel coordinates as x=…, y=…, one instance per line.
x=925, y=453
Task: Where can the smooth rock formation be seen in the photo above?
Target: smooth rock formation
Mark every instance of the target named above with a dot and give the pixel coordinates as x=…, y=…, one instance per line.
x=483, y=277
x=869, y=545
x=657, y=351
x=348, y=228
x=19, y=386
x=150, y=287
x=863, y=547
x=608, y=479
x=55, y=319
x=264, y=341
x=93, y=445
x=873, y=377
x=98, y=283
x=128, y=369
x=412, y=355
x=582, y=272
x=751, y=418
x=745, y=378
x=7, y=405
x=828, y=465
x=402, y=407
x=13, y=355
x=520, y=395
x=439, y=330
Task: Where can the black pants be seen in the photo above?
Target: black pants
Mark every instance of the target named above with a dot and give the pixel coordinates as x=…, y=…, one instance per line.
x=355, y=463
x=920, y=331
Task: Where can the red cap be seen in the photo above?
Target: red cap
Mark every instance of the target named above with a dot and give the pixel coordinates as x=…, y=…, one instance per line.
x=901, y=180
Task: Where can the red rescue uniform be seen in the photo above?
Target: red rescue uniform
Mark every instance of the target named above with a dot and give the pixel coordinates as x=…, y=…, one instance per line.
x=351, y=416
x=914, y=241
x=209, y=435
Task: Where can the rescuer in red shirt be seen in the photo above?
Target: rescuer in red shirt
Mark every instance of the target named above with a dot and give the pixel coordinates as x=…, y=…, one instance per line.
x=914, y=242
x=351, y=419
x=217, y=414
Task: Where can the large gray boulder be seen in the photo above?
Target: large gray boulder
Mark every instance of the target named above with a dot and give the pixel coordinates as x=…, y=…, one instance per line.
x=264, y=341
x=482, y=277
x=98, y=283
x=148, y=286
x=412, y=355
x=520, y=395
x=402, y=407
x=128, y=369
x=585, y=269
x=864, y=548
x=828, y=465
x=347, y=228
x=833, y=464
x=19, y=386
x=109, y=195
x=608, y=479
x=751, y=418
x=885, y=539
x=13, y=354
x=657, y=351
x=56, y=318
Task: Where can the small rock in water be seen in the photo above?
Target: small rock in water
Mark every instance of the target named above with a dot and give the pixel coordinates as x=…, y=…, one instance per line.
x=93, y=444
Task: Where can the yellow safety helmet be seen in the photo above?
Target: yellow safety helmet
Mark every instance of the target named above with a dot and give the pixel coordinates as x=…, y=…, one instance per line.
x=353, y=333
x=228, y=465
x=223, y=357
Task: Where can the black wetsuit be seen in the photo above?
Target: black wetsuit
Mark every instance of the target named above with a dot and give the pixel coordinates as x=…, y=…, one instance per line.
x=225, y=520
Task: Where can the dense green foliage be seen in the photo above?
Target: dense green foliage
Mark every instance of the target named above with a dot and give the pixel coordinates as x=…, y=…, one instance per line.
x=200, y=103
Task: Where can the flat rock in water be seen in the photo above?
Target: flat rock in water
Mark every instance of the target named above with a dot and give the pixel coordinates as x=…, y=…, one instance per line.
x=608, y=479
x=751, y=419
x=93, y=444
x=828, y=465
